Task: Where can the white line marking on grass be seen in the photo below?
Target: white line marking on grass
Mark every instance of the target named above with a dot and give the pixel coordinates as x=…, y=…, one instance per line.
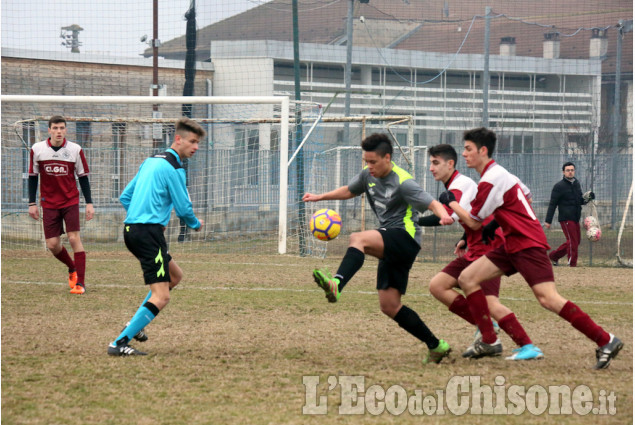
x=278, y=289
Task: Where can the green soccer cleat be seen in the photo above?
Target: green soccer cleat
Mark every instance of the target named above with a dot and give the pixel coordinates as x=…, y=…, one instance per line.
x=329, y=284
x=437, y=354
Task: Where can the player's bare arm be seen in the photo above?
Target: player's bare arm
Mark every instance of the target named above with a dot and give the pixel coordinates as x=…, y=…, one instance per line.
x=464, y=216
x=341, y=193
x=439, y=211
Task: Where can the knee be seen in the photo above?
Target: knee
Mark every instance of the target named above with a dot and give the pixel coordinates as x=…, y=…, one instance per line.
x=466, y=283
x=54, y=246
x=73, y=238
x=545, y=301
x=161, y=301
x=390, y=309
x=436, y=288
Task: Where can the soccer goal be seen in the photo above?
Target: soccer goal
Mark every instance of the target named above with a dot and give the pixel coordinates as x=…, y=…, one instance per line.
x=260, y=155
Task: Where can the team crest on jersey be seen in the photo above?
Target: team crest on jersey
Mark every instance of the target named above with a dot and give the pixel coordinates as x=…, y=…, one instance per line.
x=54, y=169
x=65, y=154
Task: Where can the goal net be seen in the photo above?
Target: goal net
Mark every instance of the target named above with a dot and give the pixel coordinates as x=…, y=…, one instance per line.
x=259, y=156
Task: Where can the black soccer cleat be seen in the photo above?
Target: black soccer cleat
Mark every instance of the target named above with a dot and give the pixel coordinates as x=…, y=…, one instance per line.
x=141, y=336
x=481, y=349
x=123, y=349
x=607, y=352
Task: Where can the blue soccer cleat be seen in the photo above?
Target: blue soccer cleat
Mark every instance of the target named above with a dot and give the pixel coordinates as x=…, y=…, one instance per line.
x=526, y=352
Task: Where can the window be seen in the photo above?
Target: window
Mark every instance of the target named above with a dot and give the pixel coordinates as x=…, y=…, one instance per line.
x=82, y=133
x=118, y=143
x=28, y=136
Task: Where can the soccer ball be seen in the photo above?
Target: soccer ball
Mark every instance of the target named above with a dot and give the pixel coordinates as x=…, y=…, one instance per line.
x=325, y=224
x=594, y=234
x=589, y=222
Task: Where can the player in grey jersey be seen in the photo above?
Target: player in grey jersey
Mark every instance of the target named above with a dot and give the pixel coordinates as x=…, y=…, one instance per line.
x=395, y=197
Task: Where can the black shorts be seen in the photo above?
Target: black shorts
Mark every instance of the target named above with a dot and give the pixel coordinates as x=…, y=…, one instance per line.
x=147, y=243
x=400, y=252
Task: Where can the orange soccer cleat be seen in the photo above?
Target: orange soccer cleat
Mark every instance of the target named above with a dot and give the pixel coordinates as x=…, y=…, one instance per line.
x=78, y=289
x=72, y=280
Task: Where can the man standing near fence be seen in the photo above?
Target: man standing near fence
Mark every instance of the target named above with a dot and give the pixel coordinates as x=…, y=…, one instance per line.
x=567, y=196
x=58, y=161
x=148, y=199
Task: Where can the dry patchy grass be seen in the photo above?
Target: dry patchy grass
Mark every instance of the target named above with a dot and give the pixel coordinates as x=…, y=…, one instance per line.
x=241, y=332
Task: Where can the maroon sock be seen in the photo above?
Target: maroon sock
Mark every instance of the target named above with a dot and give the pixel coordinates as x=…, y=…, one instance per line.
x=80, y=264
x=480, y=314
x=66, y=259
x=514, y=329
x=460, y=307
x=582, y=322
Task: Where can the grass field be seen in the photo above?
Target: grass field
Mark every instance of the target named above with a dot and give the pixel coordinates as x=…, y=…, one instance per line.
x=240, y=333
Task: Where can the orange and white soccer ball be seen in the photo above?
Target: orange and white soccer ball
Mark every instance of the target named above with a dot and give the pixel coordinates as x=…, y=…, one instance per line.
x=325, y=224
x=589, y=222
x=594, y=234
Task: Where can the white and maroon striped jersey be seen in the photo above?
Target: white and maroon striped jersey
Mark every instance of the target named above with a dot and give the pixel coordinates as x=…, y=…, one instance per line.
x=464, y=190
x=57, y=170
x=502, y=194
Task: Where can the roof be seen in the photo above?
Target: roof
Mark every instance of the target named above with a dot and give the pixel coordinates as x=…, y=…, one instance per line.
x=428, y=25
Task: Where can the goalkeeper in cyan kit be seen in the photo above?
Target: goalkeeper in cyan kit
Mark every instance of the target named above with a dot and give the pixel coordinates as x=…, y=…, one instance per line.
x=148, y=199
x=393, y=195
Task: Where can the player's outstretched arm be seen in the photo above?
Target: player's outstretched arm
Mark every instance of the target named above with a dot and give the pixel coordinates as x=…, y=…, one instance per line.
x=447, y=198
x=439, y=211
x=339, y=194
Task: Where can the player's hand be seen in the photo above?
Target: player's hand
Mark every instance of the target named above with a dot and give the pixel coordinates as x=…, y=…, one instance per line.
x=547, y=225
x=90, y=212
x=201, y=226
x=310, y=197
x=488, y=232
x=34, y=212
x=446, y=197
x=446, y=221
x=459, y=249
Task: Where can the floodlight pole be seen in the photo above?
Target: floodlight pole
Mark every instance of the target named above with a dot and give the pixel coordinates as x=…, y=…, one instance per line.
x=298, y=126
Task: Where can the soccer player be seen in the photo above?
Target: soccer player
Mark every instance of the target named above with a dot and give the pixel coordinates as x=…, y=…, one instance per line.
x=442, y=286
x=148, y=199
x=566, y=195
x=58, y=161
x=392, y=194
x=524, y=251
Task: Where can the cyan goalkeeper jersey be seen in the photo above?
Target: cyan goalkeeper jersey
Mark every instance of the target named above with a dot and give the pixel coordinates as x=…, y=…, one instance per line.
x=158, y=187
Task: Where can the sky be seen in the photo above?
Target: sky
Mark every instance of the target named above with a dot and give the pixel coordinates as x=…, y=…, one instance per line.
x=112, y=27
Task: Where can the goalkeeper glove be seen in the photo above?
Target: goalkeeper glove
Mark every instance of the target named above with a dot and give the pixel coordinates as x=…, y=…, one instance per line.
x=446, y=197
x=588, y=196
x=488, y=231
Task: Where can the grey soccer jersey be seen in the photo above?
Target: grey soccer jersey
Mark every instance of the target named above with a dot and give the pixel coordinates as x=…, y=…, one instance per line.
x=393, y=198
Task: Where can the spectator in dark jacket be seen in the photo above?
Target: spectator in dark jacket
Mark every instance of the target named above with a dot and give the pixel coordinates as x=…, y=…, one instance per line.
x=567, y=196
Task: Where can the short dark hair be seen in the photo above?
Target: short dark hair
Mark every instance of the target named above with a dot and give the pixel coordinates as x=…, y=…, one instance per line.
x=445, y=151
x=186, y=125
x=568, y=164
x=482, y=137
x=379, y=143
x=56, y=119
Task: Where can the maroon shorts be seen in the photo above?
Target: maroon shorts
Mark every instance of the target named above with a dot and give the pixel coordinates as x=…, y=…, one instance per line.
x=54, y=218
x=533, y=264
x=454, y=269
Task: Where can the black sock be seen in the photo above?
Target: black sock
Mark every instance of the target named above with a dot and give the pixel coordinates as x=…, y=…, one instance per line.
x=411, y=322
x=353, y=261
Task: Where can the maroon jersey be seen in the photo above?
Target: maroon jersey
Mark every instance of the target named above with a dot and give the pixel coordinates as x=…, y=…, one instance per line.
x=57, y=170
x=501, y=193
x=464, y=190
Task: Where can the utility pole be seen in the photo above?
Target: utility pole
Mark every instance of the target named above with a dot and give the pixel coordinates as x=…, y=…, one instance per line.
x=488, y=11
x=348, y=69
